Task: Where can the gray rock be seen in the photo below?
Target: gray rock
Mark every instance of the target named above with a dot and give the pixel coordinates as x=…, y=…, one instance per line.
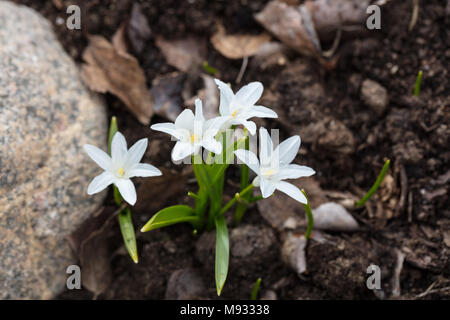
x=46, y=115
x=374, y=96
x=332, y=216
x=293, y=252
x=184, y=284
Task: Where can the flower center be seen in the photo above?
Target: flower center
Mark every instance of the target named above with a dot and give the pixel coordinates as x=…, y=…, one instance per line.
x=121, y=172
x=269, y=172
x=193, y=138
x=234, y=113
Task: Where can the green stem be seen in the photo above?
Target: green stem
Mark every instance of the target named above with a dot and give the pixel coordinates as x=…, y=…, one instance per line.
x=418, y=83
x=376, y=185
x=309, y=215
x=236, y=197
x=255, y=290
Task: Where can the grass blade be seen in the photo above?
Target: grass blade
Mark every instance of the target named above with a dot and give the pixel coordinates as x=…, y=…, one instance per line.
x=376, y=185
x=222, y=253
x=127, y=230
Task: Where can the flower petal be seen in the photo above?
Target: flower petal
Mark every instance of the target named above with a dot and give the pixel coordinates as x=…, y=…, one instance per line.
x=167, y=127
x=136, y=152
x=292, y=191
x=100, y=157
x=182, y=150
x=295, y=171
x=144, y=170
x=226, y=97
x=265, y=148
x=100, y=182
x=260, y=112
x=118, y=147
x=288, y=149
x=199, y=111
x=267, y=187
x=250, y=125
x=248, y=95
x=212, y=145
x=185, y=120
x=249, y=158
x=257, y=181
x=127, y=190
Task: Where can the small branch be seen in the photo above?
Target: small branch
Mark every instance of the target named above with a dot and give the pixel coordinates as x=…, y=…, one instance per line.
x=242, y=71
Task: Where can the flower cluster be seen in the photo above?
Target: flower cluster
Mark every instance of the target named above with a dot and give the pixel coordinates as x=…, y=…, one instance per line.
x=193, y=134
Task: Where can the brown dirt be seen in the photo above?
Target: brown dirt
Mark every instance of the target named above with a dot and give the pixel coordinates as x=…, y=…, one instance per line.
x=412, y=132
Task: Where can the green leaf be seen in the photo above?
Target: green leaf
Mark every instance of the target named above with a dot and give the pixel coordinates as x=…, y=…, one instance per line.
x=172, y=215
x=418, y=83
x=127, y=229
x=222, y=253
x=376, y=185
x=255, y=289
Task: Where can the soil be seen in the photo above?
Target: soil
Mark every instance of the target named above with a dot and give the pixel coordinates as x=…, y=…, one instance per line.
x=412, y=217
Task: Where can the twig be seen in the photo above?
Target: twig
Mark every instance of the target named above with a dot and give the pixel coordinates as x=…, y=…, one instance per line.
x=242, y=71
x=415, y=14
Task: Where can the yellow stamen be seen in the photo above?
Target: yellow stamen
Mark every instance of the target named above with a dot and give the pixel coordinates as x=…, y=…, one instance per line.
x=121, y=172
x=193, y=138
x=234, y=114
x=269, y=172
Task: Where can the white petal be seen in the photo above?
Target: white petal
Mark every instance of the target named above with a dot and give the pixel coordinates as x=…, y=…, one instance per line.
x=250, y=125
x=295, y=171
x=260, y=112
x=99, y=156
x=167, y=127
x=136, y=152
x=249, y=158
x=248, y=95
x=100, y=182
x=127, y=190
x=288, y=149
x=118, y=147
x=199, y=111
x=267, y=187
x=212, y=145
x=144, y=170
x=185, y=120
x=226, y=97
x=292, y=191
x=182, y=150
x=265, y=147
x=215, y=124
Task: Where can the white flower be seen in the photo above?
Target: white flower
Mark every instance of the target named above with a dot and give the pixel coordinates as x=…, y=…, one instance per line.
x=275, y=166
x=192, y=132
x=120, y=167
x=237, y=108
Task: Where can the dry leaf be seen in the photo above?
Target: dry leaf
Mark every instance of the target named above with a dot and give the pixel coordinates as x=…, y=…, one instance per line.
x=166, y=90
x=110, y=70
x=237, y=46
x=184, y=54
x=138, y=30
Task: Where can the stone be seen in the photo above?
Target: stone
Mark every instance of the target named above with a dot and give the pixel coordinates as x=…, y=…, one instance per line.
x=374, y=96
x=334, y=217
x=46, y=115
x=184, y=284
x=293, y=252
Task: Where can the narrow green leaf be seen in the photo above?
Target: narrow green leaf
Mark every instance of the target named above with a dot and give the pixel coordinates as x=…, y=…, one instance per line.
x=418, y=83
x=376, y=185
x=208, y=69
x=127, y=229
x=172, y=215
x=222, y=253
x=255, y=289
x=309, y=215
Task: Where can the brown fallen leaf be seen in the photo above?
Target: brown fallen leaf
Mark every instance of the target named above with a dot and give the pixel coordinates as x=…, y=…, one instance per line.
x=237, y=46
x=304, y=27
x=184, y=54
x=108, y=69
